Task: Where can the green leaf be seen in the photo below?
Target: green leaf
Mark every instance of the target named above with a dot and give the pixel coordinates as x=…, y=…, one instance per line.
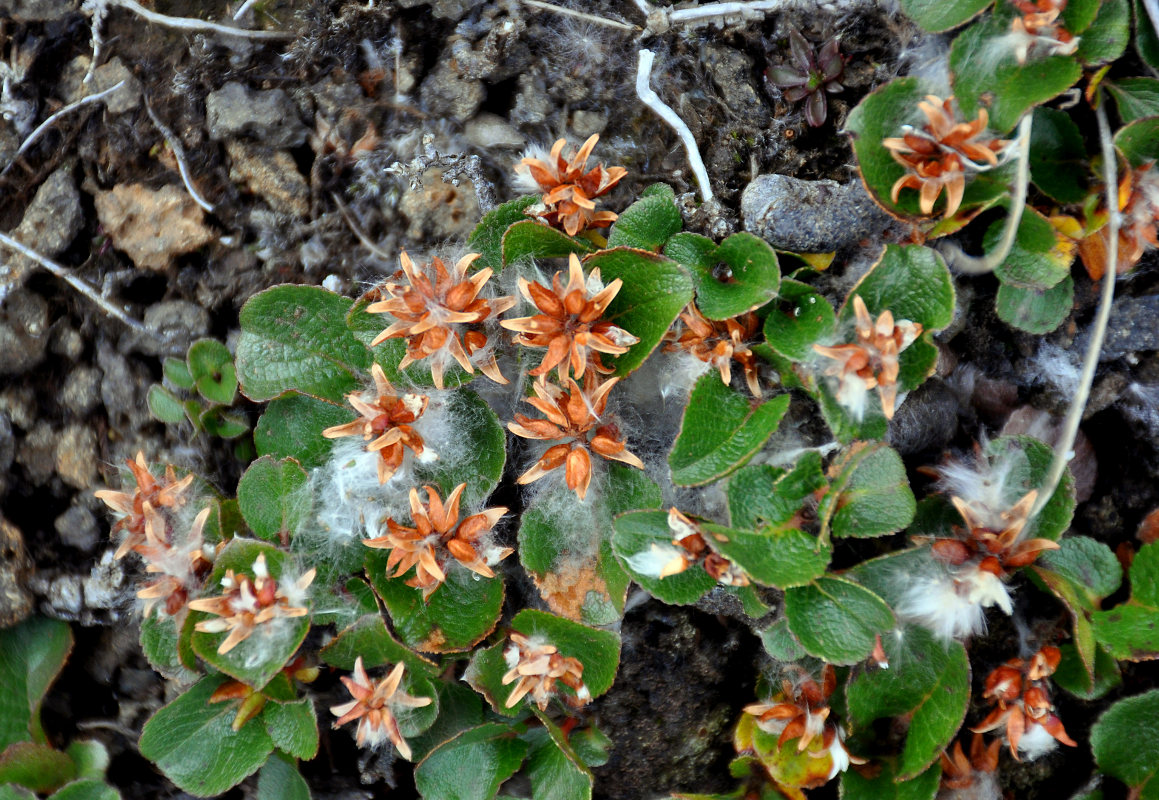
x=176, y=371
x=880, y=115
x=280, y=780
x=273, y=498
x=86, y=789
x=1106, y=38
x=870, y=495
x=780, y=643
x=193, y=743
x=786, y=764
x=472, y=765
x=292, y=427
x=35, y=766
x=10, y=791
x=1077, y=15
x=655, y=291
x=885, y=785
x=534, y=239
x=1032, y=461
x=597, y=650
x=981, y=70
x=91, y=758
x=1037, y=311
x=570, y=555
x=159, y=643
x=644, y=535
x=487, y=238
x=32, y=654
x=800, y=317
x=940, y=15
x=763, y=495
x=927, y=682
x=721, y=431
x=837, y=620
x=1146, y=38
x=775, y=555
x=1073, y=675
x=295, y=337
x=369, y=638
x=216, y=421
x=1058, y=163
x=485, y=673
x=459, y=709
x=648, y=223
x=1139, y=141
x=1135, y=97
x=1133, y=720
x=164, y=405
x=1128, y=630
x=591, y=745
x=293, y=727
x=1040, y=258
x=211, y=366
x=910, y=281
x=459, y=614
x=752, y=275
x=261, y=655
x=556, y=772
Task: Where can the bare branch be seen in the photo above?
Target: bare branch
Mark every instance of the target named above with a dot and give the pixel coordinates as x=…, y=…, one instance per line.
x=179, y=154
x=653, y=101
x=48, y=123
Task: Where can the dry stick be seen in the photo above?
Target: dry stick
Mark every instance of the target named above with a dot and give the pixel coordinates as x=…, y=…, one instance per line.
x=196, y=25
x=1074, y=415
x=568, y=12
x=179, y=154
x=991, y=261
x=81, y=286
x=653, y=101
x=42, y=127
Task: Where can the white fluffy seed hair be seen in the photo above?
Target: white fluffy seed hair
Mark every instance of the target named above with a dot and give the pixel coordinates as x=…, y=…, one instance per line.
x=983, y=787
x=1056, y=367
x=989, y=485
x=523, y=182
x=1036, y=742
x=952, y=603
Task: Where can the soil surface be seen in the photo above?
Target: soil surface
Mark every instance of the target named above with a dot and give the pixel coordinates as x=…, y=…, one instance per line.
x=290, y=144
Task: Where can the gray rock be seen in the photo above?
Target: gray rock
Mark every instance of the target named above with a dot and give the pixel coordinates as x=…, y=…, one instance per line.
x=23, y=332
x=810, y=216
x=585, y=123
x=487, y=130
x=65, y=595
x=177, y=324
x=78, y=528
x=36, y=453
x=65, y=340
x=105, y=76
x=76, y=456
x=122, y=391
x=443, y=9
x=42, y=10
x=1133, y=327
x=532, y=105
x=270, y=174
x=7, y=444
x=19, y=403
x=269, y=115
x=731, y=71
x=82, y=390
x=104, y=586
x=15, y=599
x=51, y=222
x=445, y=92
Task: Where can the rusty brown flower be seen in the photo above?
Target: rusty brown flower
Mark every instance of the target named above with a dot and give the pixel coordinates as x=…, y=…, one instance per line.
x=374, y=707
x=719, y=343
x=1020, y=690
x=569, y=323
x=572, y=415
x=537, y=665
x=385, y=422
x=437, y=312
x=872, y=361
x=1139, y=208
x=176, y=570
x=437, y=531
x=568, y=190
x=1038, y=31
x=141, y=506
x=938, y=156
x=960, y=771
x=690, y=546
x=250, y=602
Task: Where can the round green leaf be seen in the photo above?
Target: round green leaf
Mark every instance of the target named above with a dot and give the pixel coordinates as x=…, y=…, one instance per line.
x=369, y=639
x=458, y=615
x=87, y=789
x=193, y=743
x=1032, y=461
x=721, y=431
x=1139, y=141
x=487, y=238
x=211, y=366
x=1040, y=258
x=885, y=785
x=775, y=555
x=779, y=642
x=837, y=620
x=485, y=673
x=293, y=727
x=878, y=116
x=753, y=275
x=459, y=709
x=1128, y=630
x=637, y=533
x=1037, y=311
x=260, y=656
x=1058, y=166
x=936, y=16
x=1146, y=37
x=870, y=495
x=649, y=222
x=597, y=650
x=910, y=281
x=280, y=780
x=159, y=643
x=761, y=495
x=1106, y=38
x=555, y=770
x=91, y=758
x=1089, y=565
x=35, y=766
x=800, y=317
x=164, y=405
x=295, y=337
x=1135, y=97
x=292, y=427
x=1077, y=15
x=176, y=371
x=655, y=291
x=927, y=682
x=32, y=654
x=534, y=239
x=1134, y=720
x=216, y=421
x=493, y=753
x=985, y=73
x=273, y=498
x=1073, y=675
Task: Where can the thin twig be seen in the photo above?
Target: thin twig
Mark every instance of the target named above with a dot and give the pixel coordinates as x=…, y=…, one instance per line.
x=568, y=12
x=246, y=6
x=179, y=154
x=684, y=15
x=66, y=274
x=196, y=25
x=653, y=101
x=1074, y=415
x=48, y=123
x=362, y=237
x=974, y=265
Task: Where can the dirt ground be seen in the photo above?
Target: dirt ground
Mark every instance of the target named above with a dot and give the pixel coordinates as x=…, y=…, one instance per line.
x=290, y=144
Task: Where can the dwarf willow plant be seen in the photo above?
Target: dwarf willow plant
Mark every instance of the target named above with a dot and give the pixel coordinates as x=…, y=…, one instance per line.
x=361, y=538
